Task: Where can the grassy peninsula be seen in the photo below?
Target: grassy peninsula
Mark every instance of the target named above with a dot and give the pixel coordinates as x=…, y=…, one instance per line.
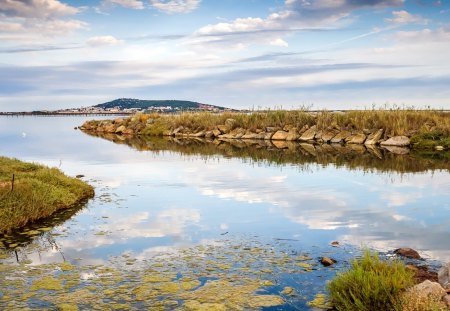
x=38, y=192
x=418, y=129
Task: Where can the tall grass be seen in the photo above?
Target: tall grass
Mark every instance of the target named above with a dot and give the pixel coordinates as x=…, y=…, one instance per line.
x=370, y=284
x=38, y=192
x=394, y=122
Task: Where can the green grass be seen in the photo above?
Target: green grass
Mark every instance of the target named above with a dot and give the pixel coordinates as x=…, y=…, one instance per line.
x=38, y=192
x=370, y=284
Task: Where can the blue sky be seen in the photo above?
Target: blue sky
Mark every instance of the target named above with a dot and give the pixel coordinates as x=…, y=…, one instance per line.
x=235, y=53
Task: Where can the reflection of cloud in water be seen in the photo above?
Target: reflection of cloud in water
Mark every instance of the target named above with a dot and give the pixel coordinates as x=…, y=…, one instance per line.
x=379, y=219
x=170, y=222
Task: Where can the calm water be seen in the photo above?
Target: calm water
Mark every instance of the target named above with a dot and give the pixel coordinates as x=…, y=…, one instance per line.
x=151, y=202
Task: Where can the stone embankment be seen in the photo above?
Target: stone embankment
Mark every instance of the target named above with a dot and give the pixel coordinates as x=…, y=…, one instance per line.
x=229, y=130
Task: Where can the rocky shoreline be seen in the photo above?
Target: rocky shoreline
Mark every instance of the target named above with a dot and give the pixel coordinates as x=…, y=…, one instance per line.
x=135, y=126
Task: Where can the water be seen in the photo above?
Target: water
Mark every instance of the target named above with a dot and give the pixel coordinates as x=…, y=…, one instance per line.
x=157, y=197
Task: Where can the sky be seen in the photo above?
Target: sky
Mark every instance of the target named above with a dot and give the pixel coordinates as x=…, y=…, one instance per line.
x=257, y=54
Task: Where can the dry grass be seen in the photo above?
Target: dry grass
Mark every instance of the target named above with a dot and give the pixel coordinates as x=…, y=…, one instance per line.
x=39, y=191
x=395, y=122
x=416, y=301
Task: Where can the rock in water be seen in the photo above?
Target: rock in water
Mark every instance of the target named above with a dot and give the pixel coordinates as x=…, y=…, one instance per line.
x=399, y=141
x=374, y=138
x=280, y=135
x=408, y=253
x=326, y=261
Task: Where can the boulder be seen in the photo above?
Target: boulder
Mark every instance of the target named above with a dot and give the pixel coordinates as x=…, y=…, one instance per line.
x=429, y=288
x=374, y=138
x=446, y=300
x=292, y=134
x=216, y=132
x=326, y=261
x=268, y=135
x=224, y=129
x=272, y=129
x=335, y=243
x=444, y=276
x=357, y=138
x=280, y=135
x=120, y=129
x=250, y=135
x=199, y=134
x=110, y=128
x=407, y=252
x=340, y=137
x=398, y=141
x=309, y=134
x=421, y=273
x=327, y=135
x=128, y=132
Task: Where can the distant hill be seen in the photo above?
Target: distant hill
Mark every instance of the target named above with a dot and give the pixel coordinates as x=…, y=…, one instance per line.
x=130, y=103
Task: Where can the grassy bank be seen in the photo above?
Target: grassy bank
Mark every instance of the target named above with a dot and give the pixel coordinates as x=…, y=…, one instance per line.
x=372, y=284
x=38, y=192
x=426, y=129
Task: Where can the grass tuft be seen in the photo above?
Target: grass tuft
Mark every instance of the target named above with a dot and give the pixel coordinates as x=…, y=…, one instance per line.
x=38, y=192
x=370, y=284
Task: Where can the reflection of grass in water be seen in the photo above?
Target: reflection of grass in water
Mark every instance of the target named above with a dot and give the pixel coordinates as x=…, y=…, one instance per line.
x=351, y=157
x=222, y=276
x=38, y=193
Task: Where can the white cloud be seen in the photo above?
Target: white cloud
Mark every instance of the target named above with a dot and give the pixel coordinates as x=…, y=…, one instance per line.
x=103, y=41
x=27, y=20
x=36, y=8
x=175, y=6
x=403, y=17
x=131, y=4
x=279, y=42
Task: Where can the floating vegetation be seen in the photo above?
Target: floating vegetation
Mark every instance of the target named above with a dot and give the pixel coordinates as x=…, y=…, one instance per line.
x=227, y=275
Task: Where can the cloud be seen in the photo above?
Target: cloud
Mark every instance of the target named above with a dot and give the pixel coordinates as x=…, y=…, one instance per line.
x=130, y=4
x=296, y=15
x=403, y=17
x=36, y=8
x=175, y=6
x=26, y=20
x=103, y=41
x=441, y=34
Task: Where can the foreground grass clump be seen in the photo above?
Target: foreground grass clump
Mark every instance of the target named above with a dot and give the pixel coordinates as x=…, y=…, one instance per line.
x=38, y=192
x=370, y=284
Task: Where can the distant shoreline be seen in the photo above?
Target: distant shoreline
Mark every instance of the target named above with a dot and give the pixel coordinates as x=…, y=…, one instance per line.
x=65, y=114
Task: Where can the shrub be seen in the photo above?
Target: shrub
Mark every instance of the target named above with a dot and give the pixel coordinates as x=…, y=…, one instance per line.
x=370, y=284
x=412, y=300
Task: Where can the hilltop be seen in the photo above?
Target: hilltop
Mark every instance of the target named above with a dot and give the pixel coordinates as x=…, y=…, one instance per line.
x=125, y=104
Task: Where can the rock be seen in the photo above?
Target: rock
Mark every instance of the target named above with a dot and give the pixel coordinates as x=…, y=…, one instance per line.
x=335, y=243
x=340, y=137
x=398, y=141
x=120, y=129
x=303, y=129
x=429, y=288
x=230, y=123
x=407, y=252
x=268, y=136
x=272, y=129
x=374, y=138
x=327, y=135
x=444, y=276
x=110, y=128
x=357, y=138
x=79, y=176
x=250, y=135
x=292, y=134
x=177, y=130
x=75, y=128
x=199, y=134
x=280, y=135
x=209, y=134
x=446, y=300
x=421, y=273
x=367, y=131
x=224, y=129
x=287, y=127
x=326, y=261
x=128, y=132
x=439, y=148
x=216, y=132
x=309, y=134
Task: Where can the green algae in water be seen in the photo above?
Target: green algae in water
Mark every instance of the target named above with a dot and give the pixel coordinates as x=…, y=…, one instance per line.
x=320, y=301
x=46, y=283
